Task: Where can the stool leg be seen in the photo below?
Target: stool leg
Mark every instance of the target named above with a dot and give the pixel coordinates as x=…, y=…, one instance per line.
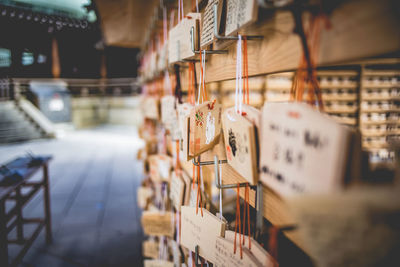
x=3, y=235
x=46, y=201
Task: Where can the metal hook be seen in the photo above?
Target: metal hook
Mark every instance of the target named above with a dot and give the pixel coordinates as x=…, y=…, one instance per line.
x=205, y=163
x=206, y=51
x=219, y=37
x=259, y=210
x=196, y=257
x=227, y=186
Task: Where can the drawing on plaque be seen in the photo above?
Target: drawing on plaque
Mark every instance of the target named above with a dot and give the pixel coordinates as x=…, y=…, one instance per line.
x=199, y=118
x=232, y=142
x=210, y=128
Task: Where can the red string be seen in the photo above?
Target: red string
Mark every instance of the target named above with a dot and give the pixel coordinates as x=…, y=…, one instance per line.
x=246, y=206
x=199, y=196
x=238, y=224
x=273, y=243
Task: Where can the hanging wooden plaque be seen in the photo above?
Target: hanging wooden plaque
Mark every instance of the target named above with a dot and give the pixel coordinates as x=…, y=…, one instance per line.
x=177, y=190
x=157, y=223
x=179, y=40
x=160, y=167
x=204, y=127
x=150, y=249
x=168, y=112
x=240, y=144
x=150, y=107
x=143, y=195
x=158, y=263
x=207, y=19
x=200, y=230
x=302, y=150
x=240, y=13
x=224, y=256
x=262, y=256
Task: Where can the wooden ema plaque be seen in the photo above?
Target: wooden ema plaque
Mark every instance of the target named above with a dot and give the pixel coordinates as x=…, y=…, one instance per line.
x=179, y=40
x=259, y=253
x=240, y=144
x=302, y=150
x=204, y=127
x=156, y=223
x=207, y=19
x=150, y=107
x=239, y=13
x=150, y=249
x=224, y=256
x=169, y=115
x=143, y=195
x=201, y=230
x=160, y=167
x=158, y=263
x=177, y=190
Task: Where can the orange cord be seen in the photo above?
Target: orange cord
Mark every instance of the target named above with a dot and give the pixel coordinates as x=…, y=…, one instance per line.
x=246, y=206
x=273, y=243
x=238, y=224
x=305, y=77
x=199, y=197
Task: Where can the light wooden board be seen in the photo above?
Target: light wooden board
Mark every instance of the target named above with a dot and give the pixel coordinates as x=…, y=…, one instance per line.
x=156, y=223
x=239, y=13
x=200, y=230
x=354, y=24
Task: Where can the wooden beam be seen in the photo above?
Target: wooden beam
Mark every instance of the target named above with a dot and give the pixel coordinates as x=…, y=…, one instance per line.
x=360, y=29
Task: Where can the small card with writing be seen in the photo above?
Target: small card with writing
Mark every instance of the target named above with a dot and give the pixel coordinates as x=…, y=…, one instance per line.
x=259, y=253
x=156, y=223
x=224, y=256
x=239, y=13
x=302, y=149
x=207, y=19
x=202, y=231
